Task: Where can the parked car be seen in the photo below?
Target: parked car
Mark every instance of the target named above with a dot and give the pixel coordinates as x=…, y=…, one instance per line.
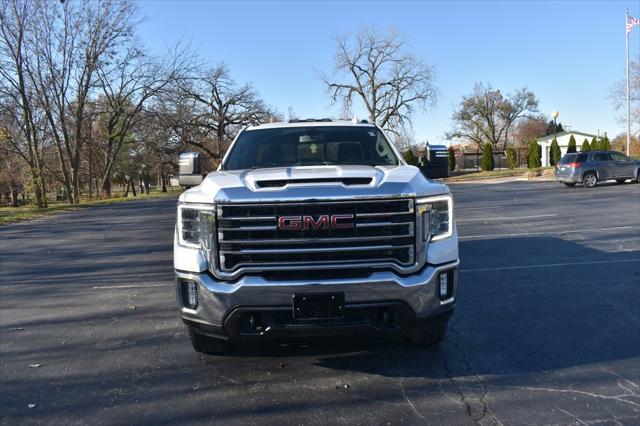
x=313, y=227
x=592, y=167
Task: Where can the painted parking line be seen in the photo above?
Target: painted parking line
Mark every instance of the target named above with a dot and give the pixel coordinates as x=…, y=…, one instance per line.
x=549, y=265
x=505, y=218
x=554, y=232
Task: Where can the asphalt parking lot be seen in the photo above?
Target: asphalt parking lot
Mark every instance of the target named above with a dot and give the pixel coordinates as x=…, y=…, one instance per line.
x=546, y=328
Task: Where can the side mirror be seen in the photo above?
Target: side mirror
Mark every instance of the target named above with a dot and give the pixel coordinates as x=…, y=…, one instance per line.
x=190, y=170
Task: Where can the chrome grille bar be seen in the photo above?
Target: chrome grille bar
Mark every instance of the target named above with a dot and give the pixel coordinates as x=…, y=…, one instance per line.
x=314, y=250
x=314, y=240
x=250, y=228
x=373, y=224
x=338, y=263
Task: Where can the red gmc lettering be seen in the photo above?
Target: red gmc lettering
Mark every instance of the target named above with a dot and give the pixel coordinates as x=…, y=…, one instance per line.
x=321, y=223
x=342, y=221
x=290, y=222
x=325, y=221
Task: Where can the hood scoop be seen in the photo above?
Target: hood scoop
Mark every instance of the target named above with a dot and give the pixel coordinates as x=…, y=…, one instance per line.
x=298, y=177
x=346, y=181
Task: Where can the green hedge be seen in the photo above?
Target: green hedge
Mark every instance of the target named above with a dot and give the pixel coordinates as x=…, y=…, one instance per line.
x=487, y=157
x=534, y=155
x=555, y=153
x=452, y=159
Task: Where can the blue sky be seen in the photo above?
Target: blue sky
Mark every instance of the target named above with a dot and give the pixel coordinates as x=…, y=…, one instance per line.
x=568, y=53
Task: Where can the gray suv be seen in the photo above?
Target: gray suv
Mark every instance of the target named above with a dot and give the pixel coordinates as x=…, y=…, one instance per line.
x=592, y=167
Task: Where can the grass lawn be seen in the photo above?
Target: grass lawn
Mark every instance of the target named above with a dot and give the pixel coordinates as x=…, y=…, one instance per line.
x=496, y=174
x=15, y=214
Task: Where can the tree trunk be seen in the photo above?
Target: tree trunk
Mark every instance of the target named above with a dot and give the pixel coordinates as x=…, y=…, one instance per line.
x=126, y=191
x=90, y=168
x=164, y=183
x=133, y=187
x=220, y=136
x=14, y=195
x=106, y=187
x=147, y=182
x=75, y=178
x=38, y=189
x=106, y=183
x=38, y=182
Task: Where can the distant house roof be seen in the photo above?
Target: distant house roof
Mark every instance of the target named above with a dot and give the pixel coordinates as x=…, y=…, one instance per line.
x=560, y=134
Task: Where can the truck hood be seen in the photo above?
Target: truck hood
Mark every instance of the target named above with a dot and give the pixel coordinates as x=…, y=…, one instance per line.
x=312, y=183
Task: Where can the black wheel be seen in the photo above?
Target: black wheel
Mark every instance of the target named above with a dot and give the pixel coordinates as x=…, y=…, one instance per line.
x=206, y=344
x=427, y=337
x=620, y=181
x=569, y=183
x=589, y=180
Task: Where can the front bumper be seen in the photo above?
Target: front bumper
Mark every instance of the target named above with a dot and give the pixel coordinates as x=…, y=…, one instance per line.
x=381, y=301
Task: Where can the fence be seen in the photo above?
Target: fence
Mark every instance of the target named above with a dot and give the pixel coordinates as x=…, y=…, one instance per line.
x=473, y=160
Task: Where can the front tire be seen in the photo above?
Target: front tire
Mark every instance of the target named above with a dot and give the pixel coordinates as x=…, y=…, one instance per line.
x=207, y=344
x=589, y=180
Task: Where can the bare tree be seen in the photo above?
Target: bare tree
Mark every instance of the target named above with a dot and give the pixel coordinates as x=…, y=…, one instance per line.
x=127, y=90
x=379, y=70
x=486, y=116
x=159, y=152
x=527, y=129
x=11, y=172
x=291, y=114
x=71, y=41
x=21, y=126
x=212, y=102
x=618, y=96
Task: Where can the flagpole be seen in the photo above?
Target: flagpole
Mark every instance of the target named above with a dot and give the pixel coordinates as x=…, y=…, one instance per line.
x=626, y=20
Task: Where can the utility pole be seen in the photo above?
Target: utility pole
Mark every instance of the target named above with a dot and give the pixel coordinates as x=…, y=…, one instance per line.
x=554, y=115
x=627, y=32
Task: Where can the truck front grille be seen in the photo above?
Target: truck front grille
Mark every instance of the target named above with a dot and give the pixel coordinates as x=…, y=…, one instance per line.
x=380, y=231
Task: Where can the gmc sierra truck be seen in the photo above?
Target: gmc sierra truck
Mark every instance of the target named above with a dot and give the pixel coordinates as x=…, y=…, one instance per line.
x=313, y=227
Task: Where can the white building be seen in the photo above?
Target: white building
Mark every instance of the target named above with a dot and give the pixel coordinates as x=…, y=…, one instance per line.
x=563, y=141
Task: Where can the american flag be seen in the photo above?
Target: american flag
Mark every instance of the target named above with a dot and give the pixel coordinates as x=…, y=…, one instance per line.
x=631, y=22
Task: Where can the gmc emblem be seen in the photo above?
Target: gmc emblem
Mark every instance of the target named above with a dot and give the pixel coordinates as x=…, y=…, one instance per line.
x=323, y=221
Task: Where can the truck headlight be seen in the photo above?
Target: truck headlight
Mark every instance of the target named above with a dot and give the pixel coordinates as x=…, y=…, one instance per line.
x=436, y=214
x=196, y=225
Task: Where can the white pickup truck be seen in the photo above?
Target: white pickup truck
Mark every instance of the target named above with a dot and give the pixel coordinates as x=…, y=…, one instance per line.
x=313, y=227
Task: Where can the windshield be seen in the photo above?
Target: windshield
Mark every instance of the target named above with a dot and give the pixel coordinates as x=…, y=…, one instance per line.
x=310, y=146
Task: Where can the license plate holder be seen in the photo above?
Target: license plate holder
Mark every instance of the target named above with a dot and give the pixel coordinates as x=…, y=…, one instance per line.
x=318, y=306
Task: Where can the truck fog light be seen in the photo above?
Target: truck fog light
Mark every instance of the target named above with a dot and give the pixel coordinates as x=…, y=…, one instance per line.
x=445, y=285
x=190, y=294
